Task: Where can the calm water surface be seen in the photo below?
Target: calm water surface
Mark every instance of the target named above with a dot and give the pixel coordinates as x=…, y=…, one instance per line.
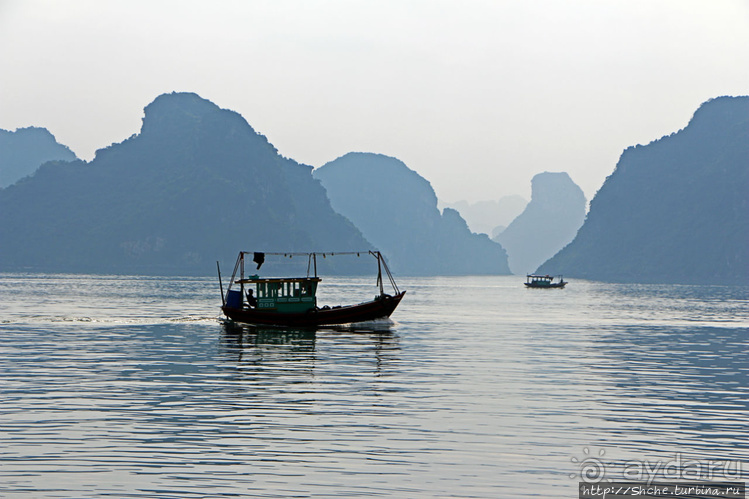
x=120, y=386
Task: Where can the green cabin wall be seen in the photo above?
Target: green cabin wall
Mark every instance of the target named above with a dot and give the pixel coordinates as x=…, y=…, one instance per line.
x=297, y=295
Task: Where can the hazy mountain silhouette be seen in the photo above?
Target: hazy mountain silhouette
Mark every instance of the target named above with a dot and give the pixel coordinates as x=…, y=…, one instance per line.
x=197, y=185
x=673, y=211
x=396, y=209
x=485, y=217
x=23, y=151
x=549, y=222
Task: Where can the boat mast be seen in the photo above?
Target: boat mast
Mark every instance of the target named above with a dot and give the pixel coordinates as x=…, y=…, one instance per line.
x=241, y=273
x=221, y=284
x=312, y=261
x=379, y=271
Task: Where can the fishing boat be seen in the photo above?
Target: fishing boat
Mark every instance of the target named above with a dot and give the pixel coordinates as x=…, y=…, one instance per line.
x=292, y=301
x=544, y=281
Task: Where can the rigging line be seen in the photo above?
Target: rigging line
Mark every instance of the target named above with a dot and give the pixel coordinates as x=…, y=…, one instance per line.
x=390, y=276
x=234, y=273
x=331, y=253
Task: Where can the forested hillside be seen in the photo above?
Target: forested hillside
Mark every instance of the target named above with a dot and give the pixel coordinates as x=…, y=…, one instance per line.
x=675, y=210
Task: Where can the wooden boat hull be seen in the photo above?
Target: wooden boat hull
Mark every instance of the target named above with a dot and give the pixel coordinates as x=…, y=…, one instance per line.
x=368, y=311
x=545, y=286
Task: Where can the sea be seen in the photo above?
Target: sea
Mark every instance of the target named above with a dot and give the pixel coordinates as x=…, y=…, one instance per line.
x=135, y=387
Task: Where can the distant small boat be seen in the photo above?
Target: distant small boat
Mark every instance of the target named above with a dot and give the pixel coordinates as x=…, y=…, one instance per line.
x=544, y=281
x=292, y=301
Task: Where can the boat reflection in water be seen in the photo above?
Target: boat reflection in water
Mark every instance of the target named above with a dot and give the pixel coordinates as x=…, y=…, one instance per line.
x=248, y=335
x=242, y=336
x=251, y=344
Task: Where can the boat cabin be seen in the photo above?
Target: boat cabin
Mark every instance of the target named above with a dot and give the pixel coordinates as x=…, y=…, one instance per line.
x=544, y=281
x=540, y=280
x=285, y=294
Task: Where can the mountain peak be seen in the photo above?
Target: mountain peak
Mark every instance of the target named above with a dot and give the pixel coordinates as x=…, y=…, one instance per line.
x=724, y=107
x=185, y=110
x=555, y=187
x=184, y=120
x=186, y=103
x=548, y=223
x=23, y=151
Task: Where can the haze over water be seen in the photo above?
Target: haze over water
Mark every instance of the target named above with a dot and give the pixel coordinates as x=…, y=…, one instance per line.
x=118, y=386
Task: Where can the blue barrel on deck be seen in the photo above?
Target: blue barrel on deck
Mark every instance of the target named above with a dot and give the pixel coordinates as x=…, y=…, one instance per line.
x=233, y=299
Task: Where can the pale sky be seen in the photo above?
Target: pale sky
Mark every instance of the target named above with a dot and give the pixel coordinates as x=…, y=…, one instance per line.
x=476, y=96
